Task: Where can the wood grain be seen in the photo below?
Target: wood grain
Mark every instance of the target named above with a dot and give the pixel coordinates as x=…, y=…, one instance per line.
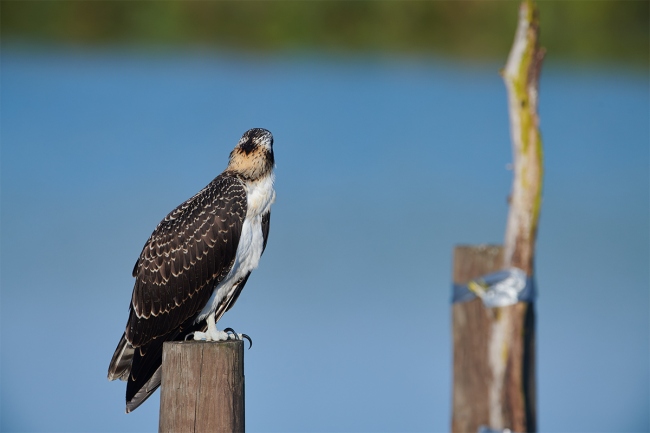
x=202, y=387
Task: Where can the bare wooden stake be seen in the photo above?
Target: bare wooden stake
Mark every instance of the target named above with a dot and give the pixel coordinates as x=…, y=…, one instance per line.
x=521, y=77
x=494, y=348
x=202, y=387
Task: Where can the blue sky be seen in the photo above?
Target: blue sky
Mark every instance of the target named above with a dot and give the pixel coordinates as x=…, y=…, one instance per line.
x=383, y=165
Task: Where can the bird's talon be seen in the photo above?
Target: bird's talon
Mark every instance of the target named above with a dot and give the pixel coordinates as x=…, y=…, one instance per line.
x=250, y=342
x=231, y=331
x=237, y=336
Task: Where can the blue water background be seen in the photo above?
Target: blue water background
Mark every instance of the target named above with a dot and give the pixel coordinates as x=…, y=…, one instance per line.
x=383, y=165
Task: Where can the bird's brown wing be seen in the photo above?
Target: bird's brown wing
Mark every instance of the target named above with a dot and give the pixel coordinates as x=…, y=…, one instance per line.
x=189, y=252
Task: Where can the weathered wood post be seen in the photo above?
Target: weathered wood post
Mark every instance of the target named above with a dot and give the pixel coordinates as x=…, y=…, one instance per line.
x=202, y=387
x=494, y=346
x=471, y=323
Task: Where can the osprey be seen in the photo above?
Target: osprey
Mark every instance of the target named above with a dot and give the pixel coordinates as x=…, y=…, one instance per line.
x=195, y=265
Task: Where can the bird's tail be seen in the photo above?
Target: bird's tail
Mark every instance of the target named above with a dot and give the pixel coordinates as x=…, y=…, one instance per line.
x=141, y=366
x=120, y=365
x=123, y=361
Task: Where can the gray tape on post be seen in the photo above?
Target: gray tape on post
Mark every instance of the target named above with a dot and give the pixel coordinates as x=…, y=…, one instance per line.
x=486, y=429
x=498, y=289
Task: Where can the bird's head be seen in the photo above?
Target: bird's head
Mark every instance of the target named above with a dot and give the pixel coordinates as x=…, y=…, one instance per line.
x=252, y=158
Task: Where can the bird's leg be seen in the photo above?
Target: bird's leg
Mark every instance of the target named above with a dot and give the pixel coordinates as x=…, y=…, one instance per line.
x=212, y=333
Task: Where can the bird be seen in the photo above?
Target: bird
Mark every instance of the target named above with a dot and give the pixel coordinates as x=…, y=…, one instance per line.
x=195, y=264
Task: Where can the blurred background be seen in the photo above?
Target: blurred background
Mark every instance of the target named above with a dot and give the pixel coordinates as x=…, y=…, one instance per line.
x=392, y=146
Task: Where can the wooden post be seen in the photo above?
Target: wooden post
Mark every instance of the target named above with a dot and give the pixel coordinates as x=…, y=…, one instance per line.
x=494, y=348
x=471, y=321
x=494, y=359
x=202, y=387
